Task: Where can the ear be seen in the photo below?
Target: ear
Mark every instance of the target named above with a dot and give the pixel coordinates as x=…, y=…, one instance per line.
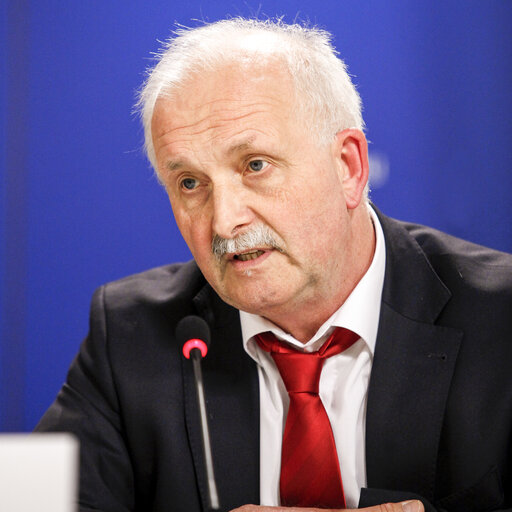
x=352, y=154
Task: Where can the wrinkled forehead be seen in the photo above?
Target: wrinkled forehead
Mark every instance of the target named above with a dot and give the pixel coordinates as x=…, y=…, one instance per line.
x=247, y=72
x=232, y=89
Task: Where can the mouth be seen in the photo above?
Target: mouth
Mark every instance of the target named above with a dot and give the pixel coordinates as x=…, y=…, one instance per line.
x=246, y=256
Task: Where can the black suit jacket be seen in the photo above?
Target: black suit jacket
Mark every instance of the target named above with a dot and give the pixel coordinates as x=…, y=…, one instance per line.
x=439, y=413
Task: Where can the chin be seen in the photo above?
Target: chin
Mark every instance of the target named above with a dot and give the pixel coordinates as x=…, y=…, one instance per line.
x=247, y=304
x=256, y=303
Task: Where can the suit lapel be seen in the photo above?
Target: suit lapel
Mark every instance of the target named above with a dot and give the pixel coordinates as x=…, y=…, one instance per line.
x=232, y=401
x=412, y=370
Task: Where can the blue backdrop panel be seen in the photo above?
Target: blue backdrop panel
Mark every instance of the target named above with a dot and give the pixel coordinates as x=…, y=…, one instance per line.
x=435, y=83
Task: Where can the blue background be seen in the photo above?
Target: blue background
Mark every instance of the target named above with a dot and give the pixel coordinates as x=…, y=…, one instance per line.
x=79, y=204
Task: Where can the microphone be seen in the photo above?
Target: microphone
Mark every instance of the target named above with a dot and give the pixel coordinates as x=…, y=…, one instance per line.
x=193, y=332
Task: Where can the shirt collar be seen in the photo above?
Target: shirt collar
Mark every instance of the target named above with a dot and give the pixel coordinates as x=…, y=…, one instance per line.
x=359, y=313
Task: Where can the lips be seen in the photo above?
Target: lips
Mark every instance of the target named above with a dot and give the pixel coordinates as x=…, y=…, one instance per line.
x=248, y=255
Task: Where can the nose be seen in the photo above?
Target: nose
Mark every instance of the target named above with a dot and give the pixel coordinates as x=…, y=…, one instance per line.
x=231, y=213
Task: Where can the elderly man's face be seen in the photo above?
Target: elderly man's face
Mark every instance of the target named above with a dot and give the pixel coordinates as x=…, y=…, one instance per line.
x=234, y=156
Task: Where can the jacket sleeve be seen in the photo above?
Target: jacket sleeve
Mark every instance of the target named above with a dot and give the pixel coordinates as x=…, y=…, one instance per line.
x=370, y=497
x=87, y=406
x=469, y=501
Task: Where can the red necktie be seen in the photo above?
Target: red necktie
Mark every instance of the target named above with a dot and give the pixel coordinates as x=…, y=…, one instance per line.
x=310, y=471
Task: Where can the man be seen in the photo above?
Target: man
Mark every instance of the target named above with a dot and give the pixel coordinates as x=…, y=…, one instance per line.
x=255, y=131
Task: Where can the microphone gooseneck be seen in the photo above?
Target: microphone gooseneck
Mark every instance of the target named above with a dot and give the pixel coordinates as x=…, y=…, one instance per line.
x=193, y=333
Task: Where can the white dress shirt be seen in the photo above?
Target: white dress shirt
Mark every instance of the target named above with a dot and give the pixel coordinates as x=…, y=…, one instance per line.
x=343, y=383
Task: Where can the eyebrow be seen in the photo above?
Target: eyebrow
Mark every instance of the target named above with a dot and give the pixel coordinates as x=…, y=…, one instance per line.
x=242, y=146
x=175, y=165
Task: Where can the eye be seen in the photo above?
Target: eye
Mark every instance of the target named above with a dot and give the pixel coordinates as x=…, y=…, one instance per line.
x=257, y=165
x=189, y=183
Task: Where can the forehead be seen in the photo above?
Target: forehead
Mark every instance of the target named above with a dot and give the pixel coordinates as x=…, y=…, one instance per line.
x=215, y=102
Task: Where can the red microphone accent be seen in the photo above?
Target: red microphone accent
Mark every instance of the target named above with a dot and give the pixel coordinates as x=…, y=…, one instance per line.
x=193, y=343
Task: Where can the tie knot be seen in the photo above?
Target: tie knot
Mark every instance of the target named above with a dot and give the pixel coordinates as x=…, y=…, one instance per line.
x=301, y=371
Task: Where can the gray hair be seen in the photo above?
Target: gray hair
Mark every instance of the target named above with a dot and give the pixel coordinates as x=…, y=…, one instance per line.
x=323, y=86
x=259, y=235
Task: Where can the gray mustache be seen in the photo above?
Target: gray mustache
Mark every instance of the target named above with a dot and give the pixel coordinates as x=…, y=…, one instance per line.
x=257, y=236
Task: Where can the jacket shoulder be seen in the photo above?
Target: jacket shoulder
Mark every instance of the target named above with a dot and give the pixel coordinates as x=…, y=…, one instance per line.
x=485, y=268
x=434, y=241
x=154, y=287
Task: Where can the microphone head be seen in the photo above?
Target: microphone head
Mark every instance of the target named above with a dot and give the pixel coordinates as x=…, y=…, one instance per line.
x=193, y=332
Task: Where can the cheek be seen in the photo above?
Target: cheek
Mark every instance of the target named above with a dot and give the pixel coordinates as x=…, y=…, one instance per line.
x=315, y=220
x=197, y=234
